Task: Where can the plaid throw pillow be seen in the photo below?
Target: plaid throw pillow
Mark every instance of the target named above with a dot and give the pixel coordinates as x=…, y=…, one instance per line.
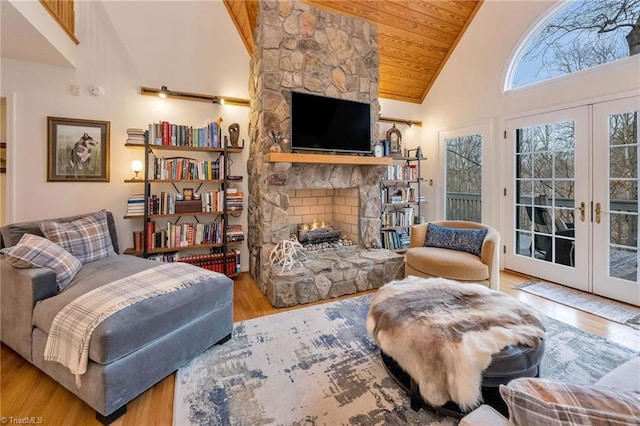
x=545, y=402
x=33, y=251
x=87, y=238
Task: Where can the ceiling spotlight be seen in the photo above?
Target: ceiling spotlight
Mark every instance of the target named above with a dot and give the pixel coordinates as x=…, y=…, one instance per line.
x=221, y=101
x=163, y=92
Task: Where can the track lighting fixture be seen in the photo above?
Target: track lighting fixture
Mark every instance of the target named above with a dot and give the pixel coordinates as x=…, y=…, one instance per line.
x=163, y=92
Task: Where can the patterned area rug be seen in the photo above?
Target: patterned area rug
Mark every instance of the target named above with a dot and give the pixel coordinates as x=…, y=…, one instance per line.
x=601, y=306
x=318, y=366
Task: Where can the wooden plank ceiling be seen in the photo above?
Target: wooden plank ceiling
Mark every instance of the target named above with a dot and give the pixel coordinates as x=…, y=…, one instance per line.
x=415, y=37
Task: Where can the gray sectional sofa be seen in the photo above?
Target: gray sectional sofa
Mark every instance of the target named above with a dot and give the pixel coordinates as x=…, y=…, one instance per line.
x=131, y=350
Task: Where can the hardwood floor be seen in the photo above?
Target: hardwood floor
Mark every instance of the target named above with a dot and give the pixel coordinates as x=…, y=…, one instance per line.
x=26, y=392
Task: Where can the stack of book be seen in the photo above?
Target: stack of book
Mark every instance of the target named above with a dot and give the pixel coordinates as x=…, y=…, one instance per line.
x=234, y=233
x=135, y=205
x=135, y=136
x=234, y=199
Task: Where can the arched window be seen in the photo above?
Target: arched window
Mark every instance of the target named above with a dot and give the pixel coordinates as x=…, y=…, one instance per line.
x=576, y=36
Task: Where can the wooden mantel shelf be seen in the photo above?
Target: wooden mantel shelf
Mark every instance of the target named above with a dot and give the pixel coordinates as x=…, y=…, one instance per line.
x=287, y=157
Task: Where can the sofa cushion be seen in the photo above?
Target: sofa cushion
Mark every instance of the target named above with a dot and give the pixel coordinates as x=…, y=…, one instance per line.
x=539, y=401
x=87, y=238
x=142, y=323
x=33, y=251
x=439, y=262
x=459, y=239
x=624, y=377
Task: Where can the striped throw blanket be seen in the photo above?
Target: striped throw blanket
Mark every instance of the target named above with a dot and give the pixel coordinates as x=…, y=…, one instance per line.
x=71, y=329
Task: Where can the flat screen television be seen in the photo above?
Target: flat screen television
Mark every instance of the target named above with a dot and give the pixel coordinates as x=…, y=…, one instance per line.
x=320, y=123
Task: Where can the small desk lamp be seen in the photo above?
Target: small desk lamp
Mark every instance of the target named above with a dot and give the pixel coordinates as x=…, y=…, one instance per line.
x=136, y=166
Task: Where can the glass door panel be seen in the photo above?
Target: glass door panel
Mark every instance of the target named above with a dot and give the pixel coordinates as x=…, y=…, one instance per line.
x=463, y=178
x=545, y=190
x=615, y=196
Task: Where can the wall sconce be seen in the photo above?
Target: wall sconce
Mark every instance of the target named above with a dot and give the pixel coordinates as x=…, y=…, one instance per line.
x=163, y=92
x=136, y=166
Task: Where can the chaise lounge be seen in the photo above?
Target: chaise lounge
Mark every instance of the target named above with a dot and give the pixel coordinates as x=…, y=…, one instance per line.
x=133, y=348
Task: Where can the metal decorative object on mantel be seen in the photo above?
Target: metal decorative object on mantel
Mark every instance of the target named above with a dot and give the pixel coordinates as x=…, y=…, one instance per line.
x=276, y=138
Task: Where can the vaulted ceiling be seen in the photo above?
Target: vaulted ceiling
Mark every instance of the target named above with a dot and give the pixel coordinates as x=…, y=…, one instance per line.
x=415, y=37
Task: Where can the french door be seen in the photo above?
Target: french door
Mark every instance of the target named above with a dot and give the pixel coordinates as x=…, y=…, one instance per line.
x=615, y=199
x=572, y=185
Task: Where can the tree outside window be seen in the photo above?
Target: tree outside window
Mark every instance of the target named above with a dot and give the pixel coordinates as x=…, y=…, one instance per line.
x=582, y=35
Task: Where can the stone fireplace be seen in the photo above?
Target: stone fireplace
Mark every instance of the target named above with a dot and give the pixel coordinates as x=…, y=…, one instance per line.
x=298, y=47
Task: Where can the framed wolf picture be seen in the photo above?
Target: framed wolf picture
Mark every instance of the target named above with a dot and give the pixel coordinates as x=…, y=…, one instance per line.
x=77, y=150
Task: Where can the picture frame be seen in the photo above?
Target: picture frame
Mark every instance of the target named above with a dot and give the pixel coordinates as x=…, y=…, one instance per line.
x=395, y=141
x=77, y=150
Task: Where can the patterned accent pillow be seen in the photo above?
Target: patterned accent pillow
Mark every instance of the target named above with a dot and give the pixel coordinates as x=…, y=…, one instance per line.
x=460, y=239
x=87, y=238
x=545, y=402
x=33, y=251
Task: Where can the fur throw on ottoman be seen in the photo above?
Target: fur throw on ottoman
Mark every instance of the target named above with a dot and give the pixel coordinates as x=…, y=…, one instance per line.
x=443, y=333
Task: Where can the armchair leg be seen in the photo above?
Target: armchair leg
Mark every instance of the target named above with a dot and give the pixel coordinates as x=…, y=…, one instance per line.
x=106, y=420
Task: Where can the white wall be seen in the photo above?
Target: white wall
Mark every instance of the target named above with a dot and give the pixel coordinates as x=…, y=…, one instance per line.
x=3, y=176
x=469, y=89
x=187, y=46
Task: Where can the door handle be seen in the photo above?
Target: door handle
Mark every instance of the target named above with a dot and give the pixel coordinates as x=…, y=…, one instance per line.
x=582, y=209
x=598, y=212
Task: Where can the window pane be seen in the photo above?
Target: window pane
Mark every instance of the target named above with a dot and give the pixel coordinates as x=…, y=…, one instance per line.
x=464, y=178
x=579, y=36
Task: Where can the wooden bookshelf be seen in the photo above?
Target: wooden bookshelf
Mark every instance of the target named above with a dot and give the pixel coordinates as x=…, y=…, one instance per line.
x=288, y=157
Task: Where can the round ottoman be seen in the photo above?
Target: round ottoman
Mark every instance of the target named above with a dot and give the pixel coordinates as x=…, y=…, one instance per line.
x=508, y=364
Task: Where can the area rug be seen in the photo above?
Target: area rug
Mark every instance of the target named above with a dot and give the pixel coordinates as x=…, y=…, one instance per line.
x=318, y=366
x=600, y=306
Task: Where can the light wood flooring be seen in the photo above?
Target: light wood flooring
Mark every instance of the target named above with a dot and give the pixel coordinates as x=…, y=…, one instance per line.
x=26, y=392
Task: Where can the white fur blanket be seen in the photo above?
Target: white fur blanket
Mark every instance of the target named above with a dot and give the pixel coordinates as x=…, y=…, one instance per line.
x=443, y=333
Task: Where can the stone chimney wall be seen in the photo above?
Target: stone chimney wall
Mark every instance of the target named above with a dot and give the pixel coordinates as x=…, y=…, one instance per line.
x=301, y=48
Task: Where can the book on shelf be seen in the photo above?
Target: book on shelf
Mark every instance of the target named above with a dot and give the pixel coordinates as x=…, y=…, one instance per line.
x=183, y=235
x=234, y=233
x=172, y=134
x=227, y=263
x=135, y=205
x=150, y=229
x=135, y=136
x=184, y=168
x=234, y=199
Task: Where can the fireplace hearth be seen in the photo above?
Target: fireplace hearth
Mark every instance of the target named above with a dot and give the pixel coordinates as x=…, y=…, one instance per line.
x=324, y=274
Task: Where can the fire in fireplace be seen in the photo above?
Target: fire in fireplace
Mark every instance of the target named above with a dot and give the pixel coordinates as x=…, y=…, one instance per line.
x=317, y=232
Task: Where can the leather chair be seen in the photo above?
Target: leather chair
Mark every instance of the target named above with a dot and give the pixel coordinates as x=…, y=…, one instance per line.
x=453, y=264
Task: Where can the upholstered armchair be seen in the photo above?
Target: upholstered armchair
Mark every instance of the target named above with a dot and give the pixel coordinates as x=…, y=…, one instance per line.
x=457, y=250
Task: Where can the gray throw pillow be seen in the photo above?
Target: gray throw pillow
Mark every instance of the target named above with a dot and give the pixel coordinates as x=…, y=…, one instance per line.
x=460, y=239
